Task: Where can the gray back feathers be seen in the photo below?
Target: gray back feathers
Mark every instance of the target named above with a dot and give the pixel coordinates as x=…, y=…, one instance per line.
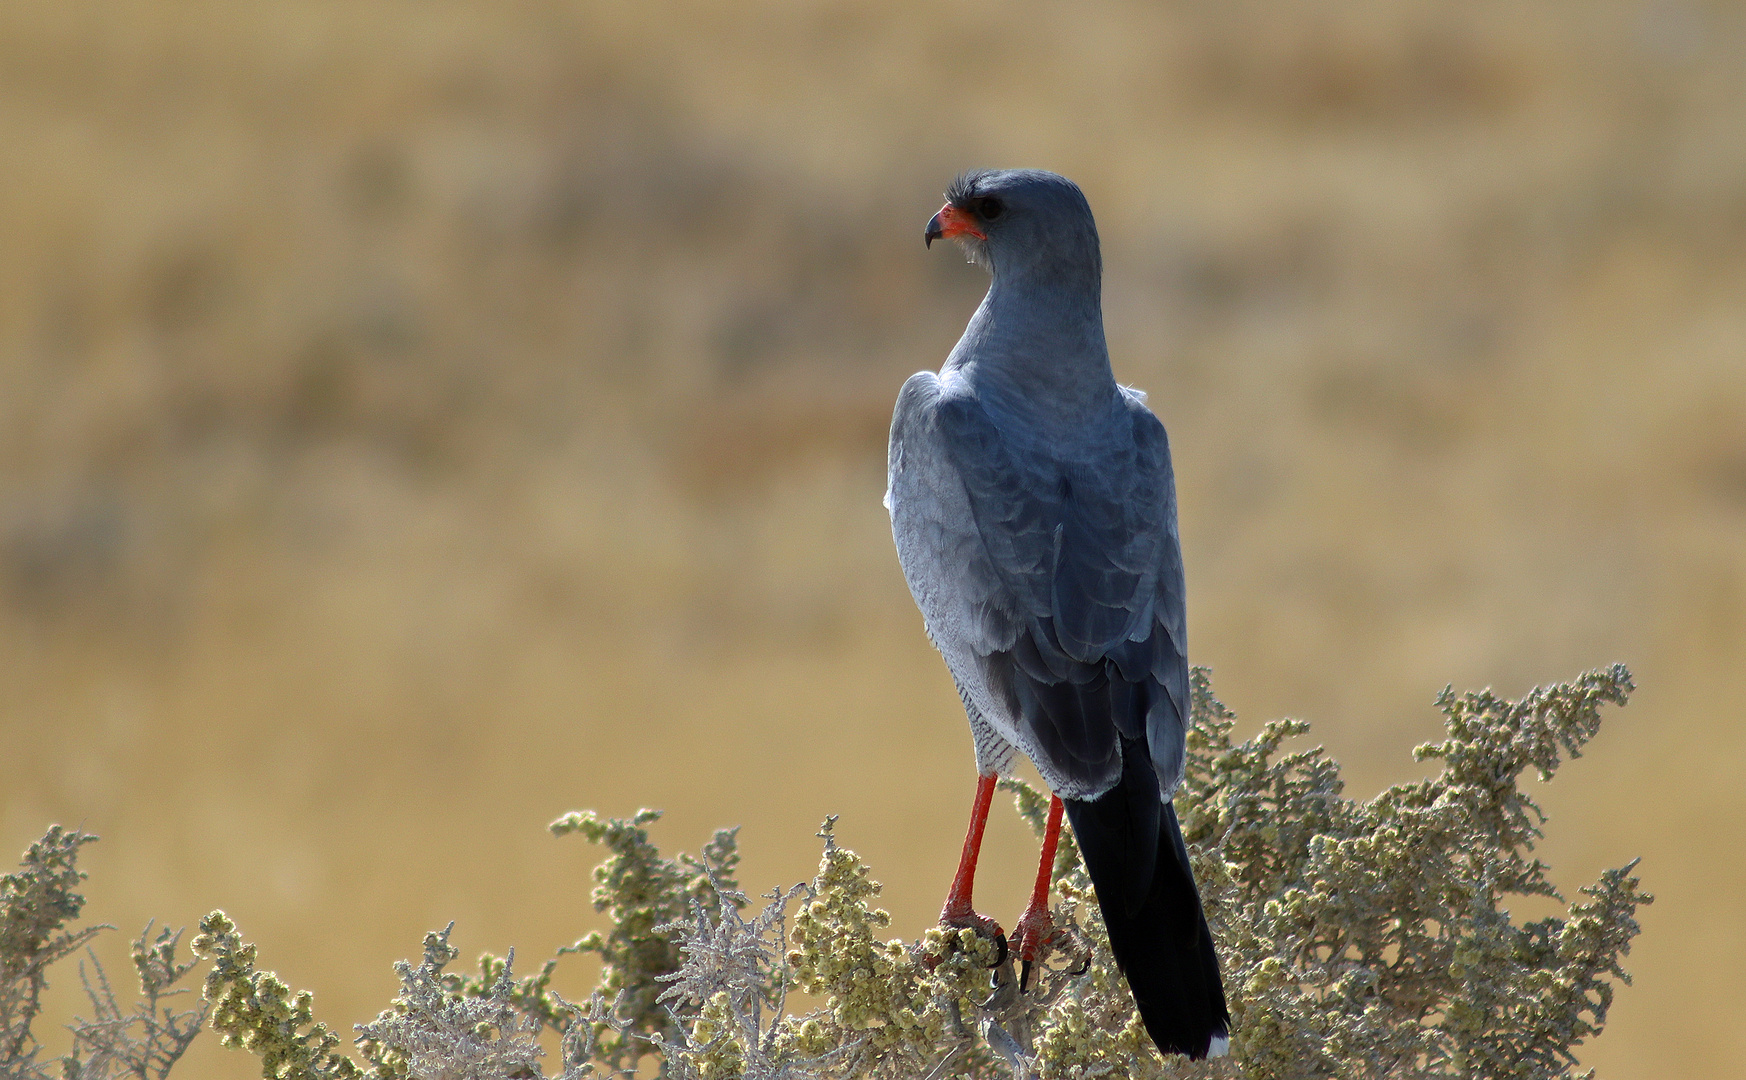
x=1034, y=509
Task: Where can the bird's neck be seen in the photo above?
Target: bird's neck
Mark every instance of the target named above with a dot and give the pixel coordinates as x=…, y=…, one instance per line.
x=1035, y=348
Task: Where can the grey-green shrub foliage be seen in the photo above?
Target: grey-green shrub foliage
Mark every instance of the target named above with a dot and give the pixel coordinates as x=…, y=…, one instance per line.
x=38, y=904
x=1360, y=939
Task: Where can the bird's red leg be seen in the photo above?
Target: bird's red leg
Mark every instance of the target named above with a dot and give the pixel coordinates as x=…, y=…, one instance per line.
x=958, y=911
x=1035, y=925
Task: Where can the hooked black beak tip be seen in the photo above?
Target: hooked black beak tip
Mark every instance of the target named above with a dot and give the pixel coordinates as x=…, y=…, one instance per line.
x=934, y=231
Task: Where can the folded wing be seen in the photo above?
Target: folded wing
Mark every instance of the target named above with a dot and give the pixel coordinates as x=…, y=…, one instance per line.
x=1051, y=581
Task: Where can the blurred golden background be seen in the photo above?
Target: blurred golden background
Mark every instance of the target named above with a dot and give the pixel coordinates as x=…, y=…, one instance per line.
x=418, y=419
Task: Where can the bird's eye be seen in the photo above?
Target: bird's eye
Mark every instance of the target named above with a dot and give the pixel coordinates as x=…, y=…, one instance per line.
x=987, y=209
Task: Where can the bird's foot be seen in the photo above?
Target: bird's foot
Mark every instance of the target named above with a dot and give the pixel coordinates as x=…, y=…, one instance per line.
x=958, y=917
x=1036, y=937
x=1031, y=939
x=1031, y=933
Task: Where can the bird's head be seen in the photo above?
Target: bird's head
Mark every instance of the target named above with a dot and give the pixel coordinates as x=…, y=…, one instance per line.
x=1008, y=220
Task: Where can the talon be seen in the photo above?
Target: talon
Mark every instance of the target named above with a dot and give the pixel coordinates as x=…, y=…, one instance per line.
x=1034, y=935
x=958, y=913
x=1068, y=942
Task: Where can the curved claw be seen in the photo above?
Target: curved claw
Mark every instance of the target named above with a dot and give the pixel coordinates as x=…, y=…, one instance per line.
x=1057, y=939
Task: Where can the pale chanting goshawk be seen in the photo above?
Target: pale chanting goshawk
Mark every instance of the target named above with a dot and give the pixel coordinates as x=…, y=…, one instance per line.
x=1034, y=510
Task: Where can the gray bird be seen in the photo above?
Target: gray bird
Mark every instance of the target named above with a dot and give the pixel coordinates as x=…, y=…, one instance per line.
x=1034, y=510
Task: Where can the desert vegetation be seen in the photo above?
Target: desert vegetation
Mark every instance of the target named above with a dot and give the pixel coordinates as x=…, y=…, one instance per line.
x=1360, y=938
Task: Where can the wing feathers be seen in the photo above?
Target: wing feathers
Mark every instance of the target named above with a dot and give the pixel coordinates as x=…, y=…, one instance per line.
x=1051, y=583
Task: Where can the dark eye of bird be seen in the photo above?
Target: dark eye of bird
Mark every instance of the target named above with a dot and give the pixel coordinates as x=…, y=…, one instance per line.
x=988, y=209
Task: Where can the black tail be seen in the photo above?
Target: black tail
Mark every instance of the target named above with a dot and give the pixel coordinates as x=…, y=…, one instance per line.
x=1134, y=852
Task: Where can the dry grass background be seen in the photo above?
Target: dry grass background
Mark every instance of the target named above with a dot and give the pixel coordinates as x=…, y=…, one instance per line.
x=419, y=419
